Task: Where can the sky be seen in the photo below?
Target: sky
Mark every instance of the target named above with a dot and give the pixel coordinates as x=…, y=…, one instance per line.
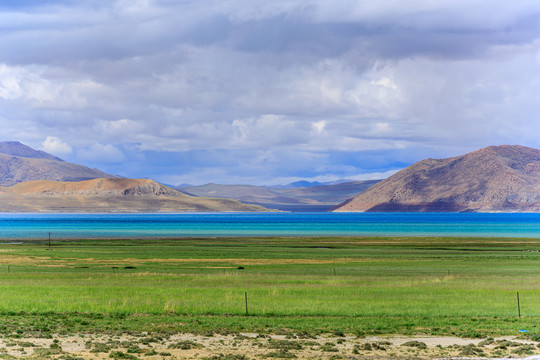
x=267, y=92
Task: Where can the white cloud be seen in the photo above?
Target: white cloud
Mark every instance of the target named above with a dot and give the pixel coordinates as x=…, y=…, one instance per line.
x=268, y=131
x=385, y=82
x=10, y=82
x=55, y=146
x=318, y=127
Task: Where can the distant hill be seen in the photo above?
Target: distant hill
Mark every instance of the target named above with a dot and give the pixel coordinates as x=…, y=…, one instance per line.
x=109, y=195
x=15, y=148
x=309, y=198
x=20, y=163
x=494, y=179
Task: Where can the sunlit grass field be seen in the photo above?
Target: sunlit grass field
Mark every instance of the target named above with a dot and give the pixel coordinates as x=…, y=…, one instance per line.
x=459, y=286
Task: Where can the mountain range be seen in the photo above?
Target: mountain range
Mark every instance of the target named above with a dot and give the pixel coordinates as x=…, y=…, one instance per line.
x=493, y=179
x=34, y=181
x=307, y=197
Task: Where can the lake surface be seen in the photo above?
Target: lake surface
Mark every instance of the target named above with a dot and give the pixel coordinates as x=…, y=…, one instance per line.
x=37, y=226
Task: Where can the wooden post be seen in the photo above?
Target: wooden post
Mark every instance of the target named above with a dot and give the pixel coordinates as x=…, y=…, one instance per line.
x=49, y=241
x=519, y=309
x=245, y=294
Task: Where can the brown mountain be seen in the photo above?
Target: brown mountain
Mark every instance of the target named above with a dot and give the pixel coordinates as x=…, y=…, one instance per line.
x=15, y=148
x=20, y=163
x=108, y=195
x=304, y=198
x=494, y=179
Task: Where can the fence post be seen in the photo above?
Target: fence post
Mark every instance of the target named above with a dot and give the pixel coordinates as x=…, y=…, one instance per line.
x=519, y=309
x=245, y=294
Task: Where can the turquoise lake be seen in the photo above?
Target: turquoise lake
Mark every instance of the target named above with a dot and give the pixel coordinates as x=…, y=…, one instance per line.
x=38, y=226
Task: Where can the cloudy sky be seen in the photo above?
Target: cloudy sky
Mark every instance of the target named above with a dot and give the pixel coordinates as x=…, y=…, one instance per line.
x=267, y=92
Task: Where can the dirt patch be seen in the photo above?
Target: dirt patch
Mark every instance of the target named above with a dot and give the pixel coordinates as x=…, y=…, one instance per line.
x=24, y=260
x=47, y=261
x=262, y=346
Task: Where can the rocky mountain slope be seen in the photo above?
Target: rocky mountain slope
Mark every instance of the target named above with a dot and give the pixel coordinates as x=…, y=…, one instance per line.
x=298, y=198
x=15, y=148
x=20, y=163
x=108, y=195
x=494, y=179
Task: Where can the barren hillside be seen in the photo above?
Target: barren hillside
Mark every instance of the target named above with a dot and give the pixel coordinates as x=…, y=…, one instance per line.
x=493, y=179
x=109, y=195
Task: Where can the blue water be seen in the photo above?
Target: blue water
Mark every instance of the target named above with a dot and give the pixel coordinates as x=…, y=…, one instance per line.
x=37, y=226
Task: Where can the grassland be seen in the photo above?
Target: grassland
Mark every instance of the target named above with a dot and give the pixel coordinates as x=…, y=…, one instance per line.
x=426, y=286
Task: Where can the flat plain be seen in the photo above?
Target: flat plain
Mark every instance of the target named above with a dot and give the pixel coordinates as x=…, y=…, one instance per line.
x=307, y=291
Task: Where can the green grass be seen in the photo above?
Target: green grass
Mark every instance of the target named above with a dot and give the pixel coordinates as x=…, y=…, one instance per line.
x=462, y=286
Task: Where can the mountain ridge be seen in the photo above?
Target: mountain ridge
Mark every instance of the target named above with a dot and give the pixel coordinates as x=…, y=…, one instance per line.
x=97, y=187
x=16, y=148
x=21, y=163
x=109, y=195
x=492, y=179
